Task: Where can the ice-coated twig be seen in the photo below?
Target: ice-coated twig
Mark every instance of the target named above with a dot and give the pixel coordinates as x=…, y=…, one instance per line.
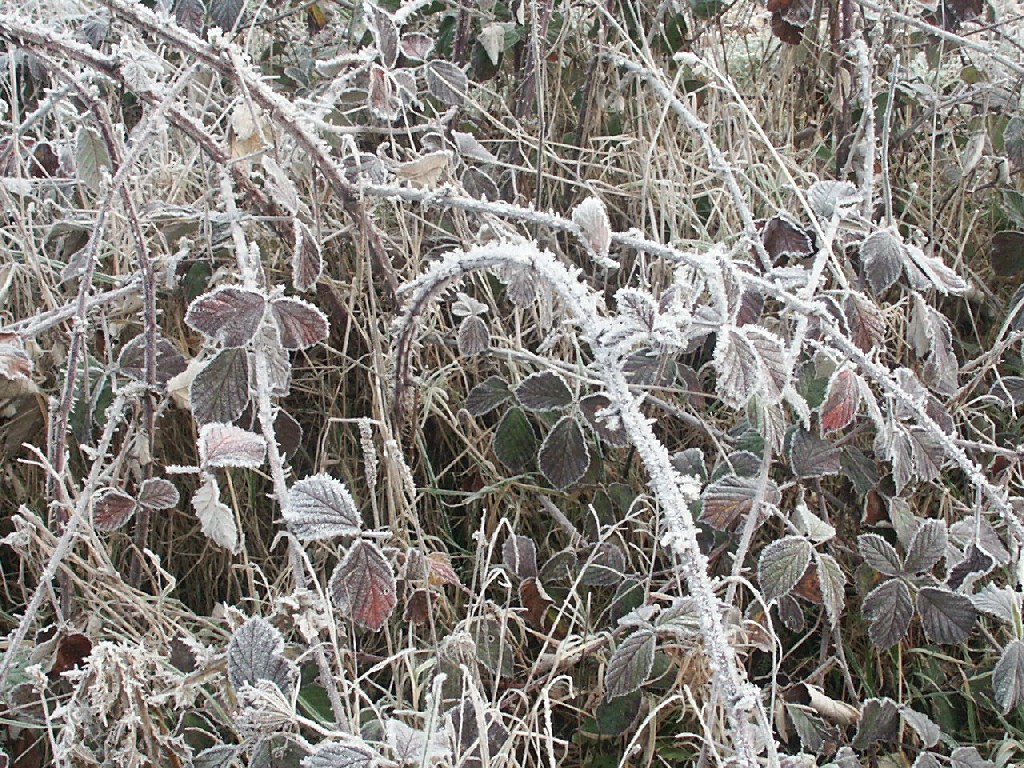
x=674, y=492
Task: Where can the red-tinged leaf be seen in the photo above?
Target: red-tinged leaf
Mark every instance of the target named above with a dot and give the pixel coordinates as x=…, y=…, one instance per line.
x=189, y=15
x=132, y=360
x=519, y=555
x=446, y=82
x=441, y=571
x=157, y=493
x=731, y=498
x=229, y=315
x=385, y=34
x=72, y=651
x=544, y=391
x=947, y=617
x=225, y=445
x=220, y=391
x=320, y=507
x=564, y=456
x=417, y=46
x=608, y=425
x=783, y=239
x=865, y=320
x=842, y=399
x=307, y=259
x=112, y=510
x=301, y=324
x=363, y=586
x=417, y=607
x=14, y=361
x=382, y=94
x=537, y=602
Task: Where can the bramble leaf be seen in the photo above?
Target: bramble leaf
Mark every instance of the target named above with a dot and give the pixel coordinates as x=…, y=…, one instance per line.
x=363, y=586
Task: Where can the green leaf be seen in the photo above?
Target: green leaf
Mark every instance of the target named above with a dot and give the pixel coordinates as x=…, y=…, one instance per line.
x=515, y=442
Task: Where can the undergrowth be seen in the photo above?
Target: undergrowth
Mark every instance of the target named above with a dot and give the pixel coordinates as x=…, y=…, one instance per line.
x=433, y=383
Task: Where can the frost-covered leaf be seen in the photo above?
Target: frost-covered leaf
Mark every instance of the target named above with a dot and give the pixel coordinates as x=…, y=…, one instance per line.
x=968, y=757
x=334, y=754
x=157, y=493
x=487, y=395
x=865, y=321
x=363, y=586
x=881, y=258
x=225, y=13
x=607, y=425
x=472, y=751
x=256, y=653
x=926, y=547
x=446, y=82
x=630, y=664
x=132, y=360
x=738, y=367
x=307, y=259
x=784, y=238
x=112, y=509
x=216, y=518
x=229, y=315
x=1009, y=389
x=879, y=554
x=220, y=391
x=602, y=566
x=592, y=218
x=14, y=361
x=519, y=555
x=781, y=566
x=1002, y=602
x=810, y=525
x=879, y=721
x=426, y=170
x=944, y=279
x=637, y=306
x=469, y=147
x=814, y=732
x=1008, y=676
x=544, y=391
x=946, y=616
x=417, y=46
x=91, y=157
x=833, y=583
x=479, y=185
x=492, y=647
x=301, y=324
x=382, y=94
x=842, y=399
x=830, y=197
x=275, y=357
x=812, y=456
x=225, y=445
x=926, y=729
x=220, y=756
x=515, y=442
x=731, y=498
x=932, y=339
x=473, y=338
x=414, y=746
x=385, y=34
x=564, y=455
x=320, y=507
x=889, y=608
x=189, y=14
